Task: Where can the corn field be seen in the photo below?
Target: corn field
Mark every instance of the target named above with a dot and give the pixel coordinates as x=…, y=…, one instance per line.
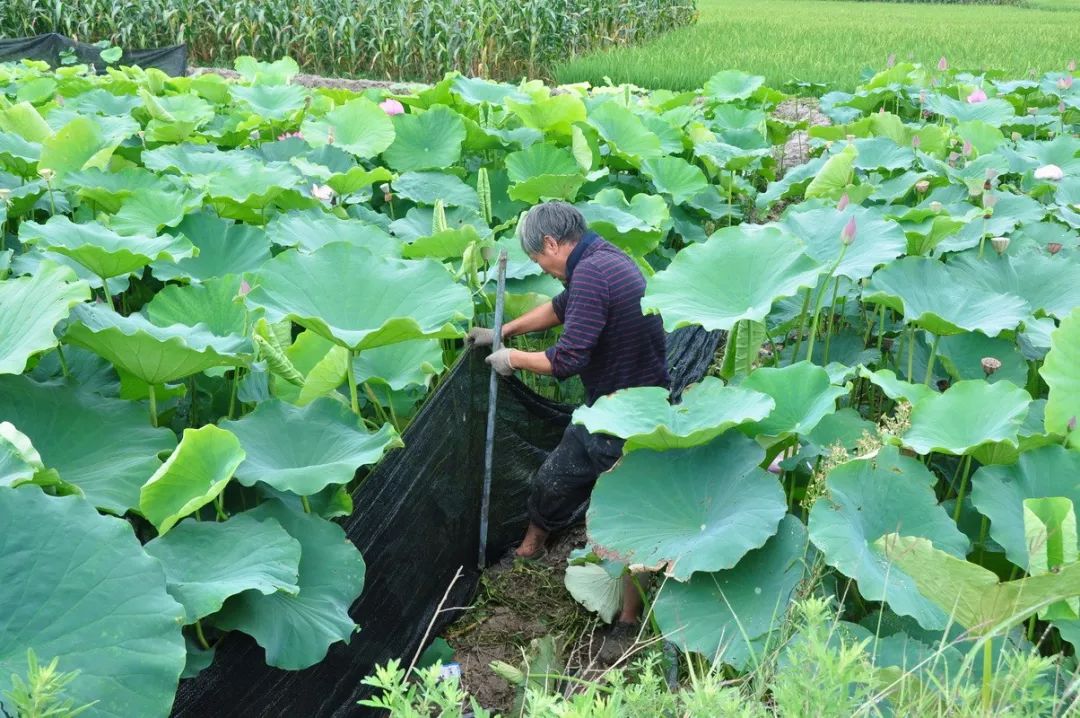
x=400, y=39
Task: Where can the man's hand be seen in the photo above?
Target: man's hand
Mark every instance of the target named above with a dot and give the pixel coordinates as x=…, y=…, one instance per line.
x=500, y=361
x=480, y=336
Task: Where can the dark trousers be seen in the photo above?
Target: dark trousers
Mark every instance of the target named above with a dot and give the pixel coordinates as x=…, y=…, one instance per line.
x=560, y=490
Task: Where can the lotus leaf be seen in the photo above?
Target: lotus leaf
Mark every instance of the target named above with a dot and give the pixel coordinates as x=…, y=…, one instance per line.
x=724, y=615
x=153, y=354
x=395, y=300
x=1061, y=371
x=1050, y=531
x=972, y=595
x=999, y=493
x=698, y=509
x=411, y=363
x=215, y=304
x=100, y=249
x=543, y=171
x=625, y=133
x=429, y=140
x=77, y=145
x=675, y=177
x=272, y=102
x=736, y=274
x=223, y=248
x=359, y=126
x=19, y=460
x=968, y=415
x=878, y=241
x=193, y=476
x=554, y=114
x=731, y=85
x=296, y=630
x=833, y=179
x=304, y=450
x=147, y=213
x=636, y=226
x=647, y=420
x=207, y=562
x=935, y=297
x=312, y=229
x=802, y=393
x=868, y=499
x=93, y=599
x=29, y=309
x=429, y=187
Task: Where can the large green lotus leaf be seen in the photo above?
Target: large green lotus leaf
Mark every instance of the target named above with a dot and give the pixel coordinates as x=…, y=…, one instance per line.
x=297, y=630
x=224, y=248
x=246, y=194
x=548, y=113
x=737, y=274
x=645, y=418
x=193, y=475
x=19, y=460
x=721, y=614
x=104, y=446
x=974, y=596
x=357, y=179
x=306, y=449
x=429, y=187
x=152, y=353
x=793, y=183
x=392, y=300
x=428, y=140
x=636, y=226
x=29, y=309
x=197, y=161
x=867, y=499
x=216, y=304
x=446, y=244
x=999, y=492
x=359, y=126
x=834, y=177
x=75, y=146
x=802, y=393
x=77, y=586
x=411, y=363
x=731, y=85
x=147, y=213
x=962, y=355
x=1061, y=371
x=968, y=415
x=994, y=112
x=313, y=229
x=476, y=91
x=273, y=102
x=1050, y=533
x=894, y=388
x=543, y=171
x=1048, y=284
x=882, y=153
x=418, y=222
x=100, y=249
x=937, y=299
x=675, y=177
x=625, y=132
x=108, y=190
x=24, y=120
x=699, y=509
x=877, y=241
x=207, y=562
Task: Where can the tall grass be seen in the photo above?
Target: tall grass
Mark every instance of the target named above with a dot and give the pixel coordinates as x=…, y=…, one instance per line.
x=835, y=42
x=398, y=39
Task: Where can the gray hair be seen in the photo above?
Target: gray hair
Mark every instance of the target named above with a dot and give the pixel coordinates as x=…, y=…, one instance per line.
x=556, y=219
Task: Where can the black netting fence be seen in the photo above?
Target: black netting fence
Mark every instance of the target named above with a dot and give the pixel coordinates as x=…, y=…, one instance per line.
x=53, y=49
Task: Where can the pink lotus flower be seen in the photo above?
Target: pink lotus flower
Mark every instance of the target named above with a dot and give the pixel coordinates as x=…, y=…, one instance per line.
x=847, y=236
x=891, y=61
x=1061, y=108
x=286, y=135
x=967, y=149
x=843, y=203
x=922, y=97
x=1071, y=67
x=392, y=107
x=1071, y=426
x=922, y=185
x=1049, y=172
x=989, y=200
x=244, y=287
x=916, y=141
x=1065, y=82
x=977, y=96
x=323, y=193
x=1053, y=247
x=942, y=64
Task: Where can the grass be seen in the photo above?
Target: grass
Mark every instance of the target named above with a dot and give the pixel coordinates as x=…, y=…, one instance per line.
x=835, y=42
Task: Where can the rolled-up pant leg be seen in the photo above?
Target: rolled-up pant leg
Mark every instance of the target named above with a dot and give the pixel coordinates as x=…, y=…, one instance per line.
x=560, y=490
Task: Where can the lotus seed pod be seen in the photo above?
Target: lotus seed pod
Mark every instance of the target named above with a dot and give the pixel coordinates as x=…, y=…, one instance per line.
x=922, y=185
x=46, y=174
x=1016, y=137
x=990, y=365
x=936, y=206
x=1000, y=244
x=1053, y=247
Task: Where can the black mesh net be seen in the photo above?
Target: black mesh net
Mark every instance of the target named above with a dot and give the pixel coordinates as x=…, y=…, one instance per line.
x=52, y=47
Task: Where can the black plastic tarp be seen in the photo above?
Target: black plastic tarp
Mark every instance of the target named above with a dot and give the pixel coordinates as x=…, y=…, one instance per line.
x=416, y=521
x=50, y=47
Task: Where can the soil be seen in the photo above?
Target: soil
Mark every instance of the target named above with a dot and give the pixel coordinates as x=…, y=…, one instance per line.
x=319, y=81
x=516, y=604
x=796, y=151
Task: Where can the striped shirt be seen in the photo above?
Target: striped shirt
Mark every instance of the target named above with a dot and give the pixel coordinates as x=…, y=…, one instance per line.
x=606, y=339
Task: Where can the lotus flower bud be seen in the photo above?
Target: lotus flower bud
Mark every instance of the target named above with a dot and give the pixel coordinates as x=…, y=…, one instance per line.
x=977, y=96
x=942, y=64
x=330, y=136
x=922, y=185
x=1071, y=67
x=989, y=199
x=967, y=149
x=891, y=60
x=244, y=288
x=916, y=142
x=1033, y=111
x=953, y=157
x=253, y=135
x=936, y=206
x=392, y=107
x=1065, y=82
x=388, y=196
x=990, y=365
x=322, y=193
x=1016, y=137
x=1000, y=244
x=1071, y=426
x=4, y=194
x=1053, y=247
x=991, y=174
x=1049, y=172
x=922, y=97
x=847, y=236
x=46, y=174
x=843, y=203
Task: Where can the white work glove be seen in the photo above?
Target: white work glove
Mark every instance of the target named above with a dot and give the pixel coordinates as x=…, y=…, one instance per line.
x=480, y=336
x=500, y=361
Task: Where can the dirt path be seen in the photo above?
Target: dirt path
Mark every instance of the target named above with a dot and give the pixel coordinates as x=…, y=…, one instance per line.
x=320, y=81
x=796, y=151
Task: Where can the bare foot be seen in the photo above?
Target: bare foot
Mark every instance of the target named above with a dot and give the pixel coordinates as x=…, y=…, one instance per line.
x=533, y=542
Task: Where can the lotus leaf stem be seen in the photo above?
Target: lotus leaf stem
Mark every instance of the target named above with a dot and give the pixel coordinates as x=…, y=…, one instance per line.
x=930, y=362
x=963, y=487
x=829, y=324
x=911, y=352
x=379, y=413
x=350, y=372
x=817, y=302
x=200, y=635
x=304, y=502
x=153, y=404
x=63, y=361
x=988, y=668
x=799, y=325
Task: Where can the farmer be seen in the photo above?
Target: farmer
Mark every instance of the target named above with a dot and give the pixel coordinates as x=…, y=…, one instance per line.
x=606, y=340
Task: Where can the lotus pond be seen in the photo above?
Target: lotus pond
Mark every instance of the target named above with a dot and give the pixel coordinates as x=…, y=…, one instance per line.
x=221, y=301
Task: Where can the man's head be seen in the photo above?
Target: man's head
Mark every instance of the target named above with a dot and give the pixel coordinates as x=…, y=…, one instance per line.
x=549, y=232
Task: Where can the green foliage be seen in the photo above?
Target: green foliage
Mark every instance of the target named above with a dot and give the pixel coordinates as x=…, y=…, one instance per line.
x=43, y=693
